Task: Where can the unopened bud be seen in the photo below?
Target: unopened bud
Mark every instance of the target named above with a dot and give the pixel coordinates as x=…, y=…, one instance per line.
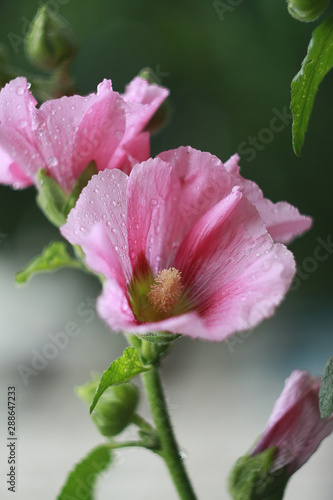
x=50, y=41
x=307, y=10
x=115, y=408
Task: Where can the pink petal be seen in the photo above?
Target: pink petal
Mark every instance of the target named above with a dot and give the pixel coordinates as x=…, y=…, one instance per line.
x=165, y=198
x=234, y=273
x=132, y=152
x=19, y=156
x=14, y=149
x=76, y=130
x=113, y=307
x=142, y=101
x=18, y=108
x=283, y=221
x=101, y=256
x=295, y=426
x=102, y=202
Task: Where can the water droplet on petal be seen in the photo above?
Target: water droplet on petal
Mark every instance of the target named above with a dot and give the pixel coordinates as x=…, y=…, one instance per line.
x=153, y=202
x=72, y=107
x=52, y=161
x=22, y=124
x=20, y=90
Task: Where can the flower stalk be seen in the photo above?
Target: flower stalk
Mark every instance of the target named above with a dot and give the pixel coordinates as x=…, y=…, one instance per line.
x=169, y=448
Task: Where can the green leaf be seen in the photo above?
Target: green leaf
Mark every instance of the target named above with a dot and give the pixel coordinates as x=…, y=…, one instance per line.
x=251, y=479
x=53, y=257
x=326, y=391
x=51, y=198
x=318, y=61
x=80, y=184
x=121, y=370
x=81, y=481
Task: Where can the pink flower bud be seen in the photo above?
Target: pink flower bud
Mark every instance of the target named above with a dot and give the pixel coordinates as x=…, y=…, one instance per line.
x=295, y=427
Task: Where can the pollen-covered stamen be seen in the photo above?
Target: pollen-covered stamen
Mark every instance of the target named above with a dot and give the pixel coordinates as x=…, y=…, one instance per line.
x=166, y=290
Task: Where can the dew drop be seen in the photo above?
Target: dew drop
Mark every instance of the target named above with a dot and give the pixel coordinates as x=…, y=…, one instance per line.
x=22, y=124
x=215, y=161
x=257, y=254
x=153, y=202
x=124, y=306
x=96, y=191
x=72, y=107
x=52, y=161
x=20, y=90
x=108, y=223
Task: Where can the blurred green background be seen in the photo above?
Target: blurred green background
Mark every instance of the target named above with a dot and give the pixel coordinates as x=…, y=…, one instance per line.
x=228, y=70
x=229, y=73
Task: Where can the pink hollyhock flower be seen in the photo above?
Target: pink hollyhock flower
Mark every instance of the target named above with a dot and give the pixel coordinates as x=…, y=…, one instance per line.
x=295, y=426
x=64, y=135
x=181, y=246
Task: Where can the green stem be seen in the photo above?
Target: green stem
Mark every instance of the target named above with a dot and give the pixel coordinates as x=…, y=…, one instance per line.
x=169, y=448
x=141, y=423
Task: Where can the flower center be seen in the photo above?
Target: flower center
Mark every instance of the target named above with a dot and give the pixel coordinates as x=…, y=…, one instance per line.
x=166, y=290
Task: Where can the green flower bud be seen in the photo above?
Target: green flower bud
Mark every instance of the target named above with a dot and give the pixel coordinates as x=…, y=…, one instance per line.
x=115, y=408
x=50, y=42
x=162, y=116
x=307, y=10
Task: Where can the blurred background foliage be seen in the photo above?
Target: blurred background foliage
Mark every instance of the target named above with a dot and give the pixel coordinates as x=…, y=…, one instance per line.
x=227, y=72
